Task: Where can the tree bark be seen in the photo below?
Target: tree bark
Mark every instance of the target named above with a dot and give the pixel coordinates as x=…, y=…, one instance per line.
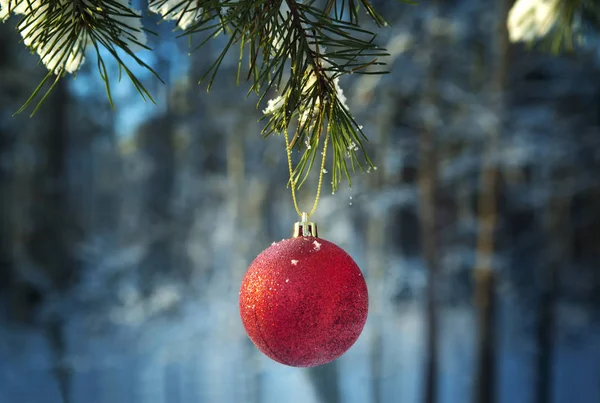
x=156, y=141
x=61, y=370
x=427, y=183
x=484, y=274
x=376, y=242
x=50, y=242
x=558, y=230
x=485, y=301
x=7, y=178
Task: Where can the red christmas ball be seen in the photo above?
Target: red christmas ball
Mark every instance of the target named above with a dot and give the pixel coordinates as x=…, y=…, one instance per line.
x=303, y=301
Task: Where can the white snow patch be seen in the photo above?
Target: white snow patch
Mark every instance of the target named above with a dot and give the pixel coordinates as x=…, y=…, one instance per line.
x=317, y=245
x=184, y=12
x=62, y=48
x=307, y=142
x=532, y=19
x=274, y=105
x=294, y=262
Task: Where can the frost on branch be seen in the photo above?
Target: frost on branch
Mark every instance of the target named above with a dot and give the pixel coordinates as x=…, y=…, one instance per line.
x=184, y=12
x=15, y=6
x=310, y=85
x=532, y=19
x=56, y=47
x=59, y=32
x=128, y=21
x=274, y=105
x=310, y=108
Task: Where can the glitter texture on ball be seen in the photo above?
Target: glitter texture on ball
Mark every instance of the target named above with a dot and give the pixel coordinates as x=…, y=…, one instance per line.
x=303, y=301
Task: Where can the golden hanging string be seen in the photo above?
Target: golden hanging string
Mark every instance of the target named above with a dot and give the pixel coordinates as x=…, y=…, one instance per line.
x=304, y=216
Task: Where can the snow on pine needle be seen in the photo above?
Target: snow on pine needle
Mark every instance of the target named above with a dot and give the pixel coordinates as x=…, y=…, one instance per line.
x=311, y=107
x=184, y=12
x=315, y=49
x=58, y=49
x=61, y=31
x=529, y=20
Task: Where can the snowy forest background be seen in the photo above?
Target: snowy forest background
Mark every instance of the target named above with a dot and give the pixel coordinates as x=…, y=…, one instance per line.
x=124, y=235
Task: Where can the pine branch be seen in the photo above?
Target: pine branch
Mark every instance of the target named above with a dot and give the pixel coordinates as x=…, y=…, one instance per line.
x=314, y=85
x=301, y=52
x=61, y=31
x=292, y=47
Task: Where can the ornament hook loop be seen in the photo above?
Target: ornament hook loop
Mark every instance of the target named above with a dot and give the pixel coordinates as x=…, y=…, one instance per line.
x=305, y=228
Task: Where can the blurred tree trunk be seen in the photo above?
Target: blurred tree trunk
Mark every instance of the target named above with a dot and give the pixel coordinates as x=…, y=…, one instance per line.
x=375, y=243
x=50, y=242
x=16, y=179
x=55, y=334
x=247, y=208
x=484, y=274
x=157, y=143
x=485, y=301
x=105, y=173
x=7, y=167
x=427, y=188
x=427, y=183
x=557, y=220
x=325, y=379
x=62, y=228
